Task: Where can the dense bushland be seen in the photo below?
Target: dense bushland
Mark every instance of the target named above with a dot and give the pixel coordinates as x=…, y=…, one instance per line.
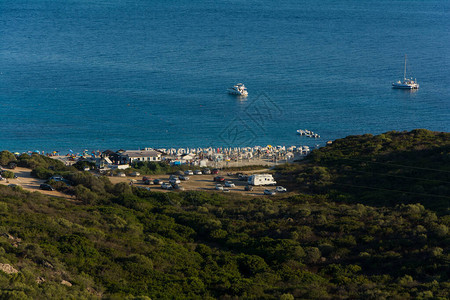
x=382, y=170
x=200, y=245
x=123, y=242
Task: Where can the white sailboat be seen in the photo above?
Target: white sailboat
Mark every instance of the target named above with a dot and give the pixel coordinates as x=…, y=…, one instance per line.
x=407, y=83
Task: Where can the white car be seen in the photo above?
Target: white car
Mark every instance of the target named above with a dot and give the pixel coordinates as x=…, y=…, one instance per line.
x=229, y=184
x=188, y=172
x=198, y=172
x=174, y=181
x=226, y=190
x=281, y=189
x=219, y=187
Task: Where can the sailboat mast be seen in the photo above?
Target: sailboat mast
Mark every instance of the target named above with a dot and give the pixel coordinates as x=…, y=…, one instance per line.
x=404, y=72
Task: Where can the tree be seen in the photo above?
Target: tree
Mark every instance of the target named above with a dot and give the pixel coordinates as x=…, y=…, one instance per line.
x=8, y=174
x=85, y=195
x=7, y=157
x=312, y=254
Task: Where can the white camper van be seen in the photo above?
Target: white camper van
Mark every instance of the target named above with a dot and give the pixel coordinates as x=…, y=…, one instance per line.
x=261, y=179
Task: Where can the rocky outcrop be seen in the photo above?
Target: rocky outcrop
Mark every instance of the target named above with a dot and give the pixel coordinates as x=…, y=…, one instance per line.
x=7, y=268
x=66, y=283
x=40, y=280
x=14, y=240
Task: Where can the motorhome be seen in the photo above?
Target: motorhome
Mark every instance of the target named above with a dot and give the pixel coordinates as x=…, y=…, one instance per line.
x=261, y=179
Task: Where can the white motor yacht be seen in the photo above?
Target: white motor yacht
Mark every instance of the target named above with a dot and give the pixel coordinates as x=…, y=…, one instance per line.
x=239, y=89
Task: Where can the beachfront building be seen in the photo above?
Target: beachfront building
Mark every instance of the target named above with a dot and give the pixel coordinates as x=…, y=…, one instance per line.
x=203, y=163
x=130, y=156
x=110, y=157
x=187, y=157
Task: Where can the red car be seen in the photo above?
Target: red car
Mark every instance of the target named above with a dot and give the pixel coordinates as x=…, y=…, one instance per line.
x=219, y=179
x=215, y=171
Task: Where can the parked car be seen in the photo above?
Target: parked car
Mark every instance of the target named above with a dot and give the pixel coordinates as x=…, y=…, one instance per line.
x=166, y=186
x=242, y=177
x=178, y=187
x=12, y=185
x=46, y=187
x=188, y=172
x=121, y=174
x=174, y=181
x=198, y=172
x=226, y=190
x=219, y=187
x=56, y=178
x=173, y=177
x=248, y=188
x=281, y=189
x=183, y=177
x=229, y=184
x=219, y=179
x=206, y=171
x=157, y=181
x=269, y=192
x=215, y=171
x=143, y=187
x=149, y=181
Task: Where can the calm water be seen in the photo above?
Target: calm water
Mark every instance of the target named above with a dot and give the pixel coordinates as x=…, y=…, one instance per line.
x=127, y=74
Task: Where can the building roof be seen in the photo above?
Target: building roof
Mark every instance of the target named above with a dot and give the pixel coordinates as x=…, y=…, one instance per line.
x=141, y=153
x=109, y=153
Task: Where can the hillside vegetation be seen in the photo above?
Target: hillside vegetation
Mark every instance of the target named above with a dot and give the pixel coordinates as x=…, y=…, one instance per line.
x=382, y=170
x=122, y=242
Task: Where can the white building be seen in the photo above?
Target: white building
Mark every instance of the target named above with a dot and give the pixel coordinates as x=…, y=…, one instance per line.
x=130, y=156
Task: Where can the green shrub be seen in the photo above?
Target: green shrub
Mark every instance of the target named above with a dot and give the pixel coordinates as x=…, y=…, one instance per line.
x=7, y=157
x=7, y=174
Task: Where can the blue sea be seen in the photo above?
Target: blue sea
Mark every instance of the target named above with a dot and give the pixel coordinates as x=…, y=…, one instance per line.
x=111, y=74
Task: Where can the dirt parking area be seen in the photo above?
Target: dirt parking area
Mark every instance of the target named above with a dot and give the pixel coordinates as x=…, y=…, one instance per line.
x=196, y=182
x=29, y=183
x=199, y=183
